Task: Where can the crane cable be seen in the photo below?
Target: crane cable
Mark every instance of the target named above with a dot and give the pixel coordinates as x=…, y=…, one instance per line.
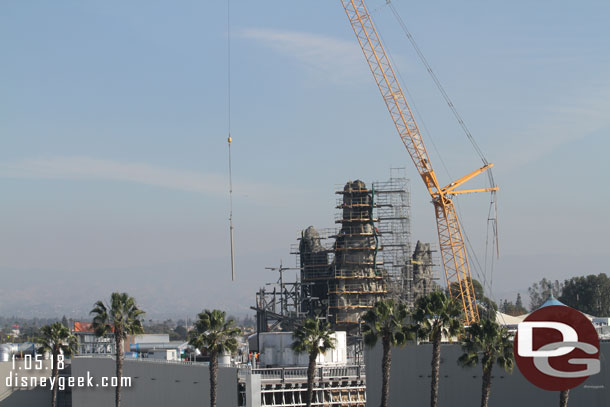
x=437, y=83
x=492, y=217
x=441, y=89
x=229, y=139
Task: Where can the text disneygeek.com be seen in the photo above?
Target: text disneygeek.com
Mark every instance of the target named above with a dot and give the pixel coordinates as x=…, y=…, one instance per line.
x=15, y=380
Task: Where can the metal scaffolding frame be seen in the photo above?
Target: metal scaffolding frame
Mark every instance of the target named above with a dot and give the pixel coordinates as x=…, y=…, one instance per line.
x=392, y=210
x=358, y=278
x=343, y=271
x=279, y=307
x=366, y=258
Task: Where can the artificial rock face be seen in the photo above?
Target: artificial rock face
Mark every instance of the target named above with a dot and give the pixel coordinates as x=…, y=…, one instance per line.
x=356, y=282
x=315, y=271
x=311, y=241
x=423, y=274
x=346, y=280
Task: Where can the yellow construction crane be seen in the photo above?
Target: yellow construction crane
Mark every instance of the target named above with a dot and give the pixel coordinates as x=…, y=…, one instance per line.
x=452, y=246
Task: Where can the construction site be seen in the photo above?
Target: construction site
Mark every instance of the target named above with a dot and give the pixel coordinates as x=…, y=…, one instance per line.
x=344, y=271
x=369, y=256
x=339, y=274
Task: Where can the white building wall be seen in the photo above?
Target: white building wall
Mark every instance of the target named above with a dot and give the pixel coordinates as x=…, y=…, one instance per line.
x=151, y=338
x=276, y=350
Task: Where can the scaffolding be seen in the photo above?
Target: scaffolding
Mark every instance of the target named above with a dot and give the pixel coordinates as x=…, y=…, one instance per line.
x=344, y=271
x=314, y=256
x=392, y=210
x=358, y=278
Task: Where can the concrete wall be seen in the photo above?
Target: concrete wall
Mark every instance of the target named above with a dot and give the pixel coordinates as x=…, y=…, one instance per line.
x=410, y=381
x=18, y=397
x=154, y=384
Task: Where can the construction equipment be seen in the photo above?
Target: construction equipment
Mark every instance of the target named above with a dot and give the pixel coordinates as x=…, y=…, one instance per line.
x=452, y=245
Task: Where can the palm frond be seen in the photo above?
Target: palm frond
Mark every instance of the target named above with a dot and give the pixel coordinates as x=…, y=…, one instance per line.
x=213, y=333
x=313, y=336
x=385, y=320
x=57, y=338
x=487, y=343
x=121, y=315
x=437, y=314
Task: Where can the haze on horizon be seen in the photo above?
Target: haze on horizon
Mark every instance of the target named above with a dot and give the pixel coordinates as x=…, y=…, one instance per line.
x=113, y=118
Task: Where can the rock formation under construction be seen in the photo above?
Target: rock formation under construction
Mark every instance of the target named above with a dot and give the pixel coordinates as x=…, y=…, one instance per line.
x=314, y=272
x=357, y=280
x=423, y=275
x=345, y=270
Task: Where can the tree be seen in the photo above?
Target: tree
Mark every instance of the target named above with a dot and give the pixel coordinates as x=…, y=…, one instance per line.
x=564, y=395
x=436, y=315
x=123, y=317
x=215, y=335
x=180, y=333
x=57, y=340
x=385, y=322
x=487, y=343
x=313, y=337
x=589, y=294
x=507, y=307
x=540, y=292
x=486, y=306
x=517, y=308
x=28, y=333
x=248, y=322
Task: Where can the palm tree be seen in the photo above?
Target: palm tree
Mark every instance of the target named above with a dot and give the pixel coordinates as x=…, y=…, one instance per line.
x=214, y=335
x=487, y=343
x=123, y=317
x=58, y=340
x=436, y=315
x=385, y=322
x=313, y=337
x=563, y=398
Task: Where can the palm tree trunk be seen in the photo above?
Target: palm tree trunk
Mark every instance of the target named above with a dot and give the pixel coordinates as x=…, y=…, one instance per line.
x=436, y=365
x=386, y=363
x=486, y=390
x=213, y=377
x=119, y=366
x=563, y=398
x=55, y=373
x=311, y=371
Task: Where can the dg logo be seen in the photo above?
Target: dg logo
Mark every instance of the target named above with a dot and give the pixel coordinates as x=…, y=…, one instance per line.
x=557, y=348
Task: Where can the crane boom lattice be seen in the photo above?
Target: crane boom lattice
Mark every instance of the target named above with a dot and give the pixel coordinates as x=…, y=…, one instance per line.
x=452, y=246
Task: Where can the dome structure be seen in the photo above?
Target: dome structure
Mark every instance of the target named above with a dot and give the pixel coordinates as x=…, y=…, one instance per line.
x=551, y=301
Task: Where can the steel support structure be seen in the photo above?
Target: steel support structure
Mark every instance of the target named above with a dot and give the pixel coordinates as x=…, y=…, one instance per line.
x=452, y=247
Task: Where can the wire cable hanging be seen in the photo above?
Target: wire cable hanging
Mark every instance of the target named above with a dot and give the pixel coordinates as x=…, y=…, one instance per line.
x=229, y=140
x=492, y=218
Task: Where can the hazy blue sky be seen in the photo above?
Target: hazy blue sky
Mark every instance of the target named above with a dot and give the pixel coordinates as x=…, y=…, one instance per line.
x=113, y=122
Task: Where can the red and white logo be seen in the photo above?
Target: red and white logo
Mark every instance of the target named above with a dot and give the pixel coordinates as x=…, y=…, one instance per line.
x=557, y=348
